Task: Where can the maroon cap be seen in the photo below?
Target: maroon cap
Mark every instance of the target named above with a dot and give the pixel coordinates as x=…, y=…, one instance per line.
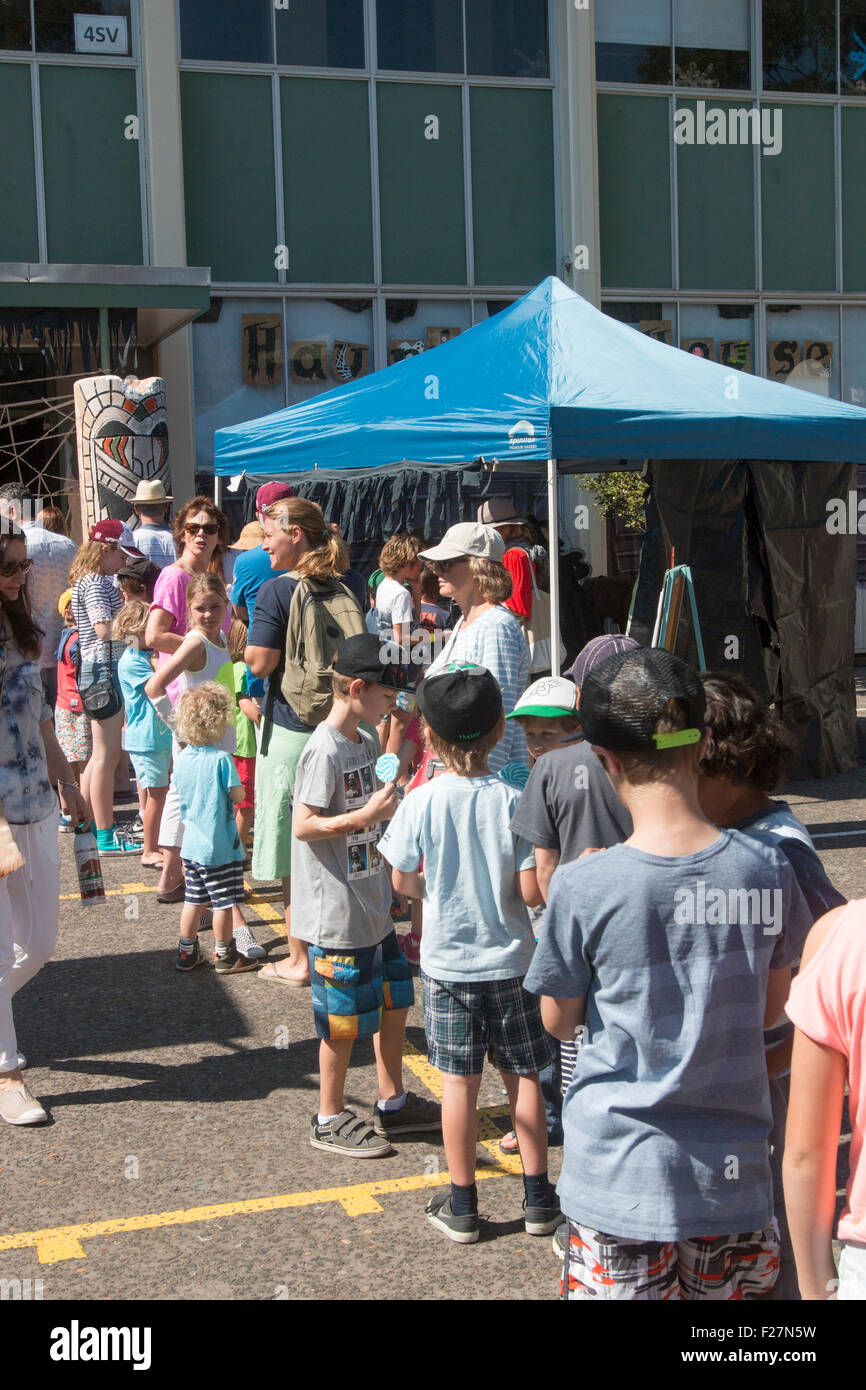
x=598, y=649
x=112, y=532
x=271, y=493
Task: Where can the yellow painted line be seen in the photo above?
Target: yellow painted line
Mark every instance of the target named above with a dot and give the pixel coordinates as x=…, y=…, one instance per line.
x=114, y=892
x=263, y=909
x=489, y=1134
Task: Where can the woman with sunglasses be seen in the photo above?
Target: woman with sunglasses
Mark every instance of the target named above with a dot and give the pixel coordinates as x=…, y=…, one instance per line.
x=95, y=601
x=201, y=538
x=31, y=765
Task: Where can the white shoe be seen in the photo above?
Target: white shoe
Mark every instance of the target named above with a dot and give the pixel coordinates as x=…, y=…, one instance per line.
x=247, y=944
x=19, y=1107
x=22, y=1061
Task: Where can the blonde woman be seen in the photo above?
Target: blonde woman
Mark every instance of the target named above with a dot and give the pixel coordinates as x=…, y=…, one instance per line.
x=95, y=602
x=299, y=542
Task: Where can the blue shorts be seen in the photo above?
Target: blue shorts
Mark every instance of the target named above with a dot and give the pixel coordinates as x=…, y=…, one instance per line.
x=351, y=988
x=152, y=769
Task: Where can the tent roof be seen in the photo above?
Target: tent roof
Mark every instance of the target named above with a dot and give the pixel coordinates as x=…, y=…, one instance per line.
x=550, y=376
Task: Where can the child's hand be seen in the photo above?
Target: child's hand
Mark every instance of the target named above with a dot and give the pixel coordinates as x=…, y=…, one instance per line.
x=599, y=849
x=382, y=804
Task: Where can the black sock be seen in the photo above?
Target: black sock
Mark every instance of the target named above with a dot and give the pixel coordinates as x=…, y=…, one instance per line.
x=464, y=1200
x=539, y=1192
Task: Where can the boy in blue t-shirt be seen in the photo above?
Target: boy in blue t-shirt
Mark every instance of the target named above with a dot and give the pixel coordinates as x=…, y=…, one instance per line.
x=209, y=788
x=674, y=948
x=477, y=944
x=147, y=739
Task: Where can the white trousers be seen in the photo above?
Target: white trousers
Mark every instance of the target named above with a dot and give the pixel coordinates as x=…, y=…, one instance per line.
x=29, y=915
x=171, y=825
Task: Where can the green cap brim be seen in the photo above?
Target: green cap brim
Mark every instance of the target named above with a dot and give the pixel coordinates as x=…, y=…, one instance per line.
x=544, y=712
x=682, y=736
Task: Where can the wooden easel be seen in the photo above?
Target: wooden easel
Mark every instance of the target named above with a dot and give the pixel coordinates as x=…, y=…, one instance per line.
x=677, y=581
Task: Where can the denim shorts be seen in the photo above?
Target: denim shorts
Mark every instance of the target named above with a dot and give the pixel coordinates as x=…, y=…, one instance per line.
x=152, y=769
x=350, y=989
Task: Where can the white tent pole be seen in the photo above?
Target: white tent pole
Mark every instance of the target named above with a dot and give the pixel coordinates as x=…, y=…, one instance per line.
x=217, y=490
x=553, y=539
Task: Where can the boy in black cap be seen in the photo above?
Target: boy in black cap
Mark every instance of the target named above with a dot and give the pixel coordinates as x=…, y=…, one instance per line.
x=673, y=947
x=477, y=942
x=361, y=984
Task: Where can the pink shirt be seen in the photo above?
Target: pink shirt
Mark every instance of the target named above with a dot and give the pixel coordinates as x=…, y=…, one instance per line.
x=169, y=593
x=828, y=1004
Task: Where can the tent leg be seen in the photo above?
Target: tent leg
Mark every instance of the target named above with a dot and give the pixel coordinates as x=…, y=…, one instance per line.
x=553, y=536
x=217, y=491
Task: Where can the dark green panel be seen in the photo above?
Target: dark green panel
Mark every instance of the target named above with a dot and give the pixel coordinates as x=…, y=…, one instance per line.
x=513, y=207
x=326, y=180
x=634, y=191
x=19, y=237
x=799, y=202
x=854, y=197
x=92, y=176
x=716, y=196
x=421, y=184
x=228, y=174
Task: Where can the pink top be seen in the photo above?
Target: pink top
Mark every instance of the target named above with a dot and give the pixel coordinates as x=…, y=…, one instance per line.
x=828, y=1004
x=169, y=593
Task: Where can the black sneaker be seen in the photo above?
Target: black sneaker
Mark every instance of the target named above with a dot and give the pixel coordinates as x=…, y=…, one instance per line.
x=233, y=963
x=541, y=1220
x=463, y=1229
x=349, y=1135
x=188, y=957
x=416, y=1116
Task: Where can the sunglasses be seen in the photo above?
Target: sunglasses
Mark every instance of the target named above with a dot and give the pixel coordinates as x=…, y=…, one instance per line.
x=209, y=528
x=13, y=567
x=443, y=566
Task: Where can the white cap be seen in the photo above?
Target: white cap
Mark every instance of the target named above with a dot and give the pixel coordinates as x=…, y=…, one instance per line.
x=548, y=698
x=468, y=538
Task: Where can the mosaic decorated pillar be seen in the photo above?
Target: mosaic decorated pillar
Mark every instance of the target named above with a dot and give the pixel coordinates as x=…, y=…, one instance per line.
x=122, y=439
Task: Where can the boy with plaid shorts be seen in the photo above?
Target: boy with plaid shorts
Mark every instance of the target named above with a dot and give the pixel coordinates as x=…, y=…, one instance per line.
x=341, y=906
x=477, y=942
x=673, y=948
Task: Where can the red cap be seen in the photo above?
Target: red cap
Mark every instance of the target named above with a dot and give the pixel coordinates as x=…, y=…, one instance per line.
x=112, y=532
x=271, y=493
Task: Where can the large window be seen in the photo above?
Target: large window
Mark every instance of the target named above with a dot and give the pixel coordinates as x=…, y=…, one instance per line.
x=633, y=41
x=229, y=31
x=799, y=45
x=853, y=197
x=421, y=184
x=15, y=24
x=712, y=43
x=420, y=35
x=634, y=141
x=19, y=234
x=722, y=333
x=803, y=347
x=852, y=46
x=90, y=26
x=507, y=38
x=716, y=212
x=799, y=232
x=321, y=34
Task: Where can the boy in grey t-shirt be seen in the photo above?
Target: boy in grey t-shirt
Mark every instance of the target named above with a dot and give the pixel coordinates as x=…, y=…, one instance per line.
x=360, y=982
x=673, y=947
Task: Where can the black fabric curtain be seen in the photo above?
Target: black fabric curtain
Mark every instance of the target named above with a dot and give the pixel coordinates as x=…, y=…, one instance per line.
x=775, y=591
x=56, y=333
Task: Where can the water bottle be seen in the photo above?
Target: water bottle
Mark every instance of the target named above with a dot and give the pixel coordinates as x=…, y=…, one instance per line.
x=89, y=869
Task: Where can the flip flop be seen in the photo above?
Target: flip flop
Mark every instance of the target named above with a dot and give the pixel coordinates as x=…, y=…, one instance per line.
x=270, y=972
x=509, y=1148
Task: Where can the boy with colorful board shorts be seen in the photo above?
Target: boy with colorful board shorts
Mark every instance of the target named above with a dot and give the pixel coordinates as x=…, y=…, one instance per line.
x=477, y=881
x=341, y=893
x=674, y=948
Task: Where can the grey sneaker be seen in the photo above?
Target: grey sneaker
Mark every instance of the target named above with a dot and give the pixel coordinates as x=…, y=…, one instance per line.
x=349, y=1135
x=542, y=1220
x=233, y=963
x=19, y=1107
x=247, y=944
x=464, y=1229
x=417, y=1116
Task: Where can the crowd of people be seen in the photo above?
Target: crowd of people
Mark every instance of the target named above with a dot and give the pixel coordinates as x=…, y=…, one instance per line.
x=605, y=900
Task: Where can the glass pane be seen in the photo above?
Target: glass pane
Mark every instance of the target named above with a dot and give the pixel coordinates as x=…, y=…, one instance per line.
x=227, y=124
x=421, y=184
x=420, y=35
x=414, y=325
x=232, y=31
x=330, y=343
x=19, y=238
x=712, y=43
x=852, y=32
x=513, y=208
x=799, y=232
x=803, y=347
x=634, y=135
x=238, y=368
x=322, y=34
x=655, y=317
x=92, y=175
x=507, y=38
x=62, y=26
x=326, y=180
x=800, y=45
x=14, y=23
x=633, y=41
x=716, y=210
x=720, y=332
x=854, y=348
x=853, y=197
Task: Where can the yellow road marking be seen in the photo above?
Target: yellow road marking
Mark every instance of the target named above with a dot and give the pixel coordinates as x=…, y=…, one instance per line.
x=489, y=1134
x=263, y=909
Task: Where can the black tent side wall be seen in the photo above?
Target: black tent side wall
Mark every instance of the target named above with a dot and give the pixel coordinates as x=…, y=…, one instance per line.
x=775, y=591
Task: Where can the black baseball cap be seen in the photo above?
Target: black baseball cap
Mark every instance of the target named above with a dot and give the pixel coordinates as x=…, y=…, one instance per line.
x=621, y=697
x=360, y=658
x=460, y=704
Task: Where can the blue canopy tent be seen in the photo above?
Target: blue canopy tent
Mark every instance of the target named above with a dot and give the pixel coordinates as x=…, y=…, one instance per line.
x=551, y=379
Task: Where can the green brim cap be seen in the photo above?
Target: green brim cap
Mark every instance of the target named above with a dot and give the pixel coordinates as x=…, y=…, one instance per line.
x=543, y=712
